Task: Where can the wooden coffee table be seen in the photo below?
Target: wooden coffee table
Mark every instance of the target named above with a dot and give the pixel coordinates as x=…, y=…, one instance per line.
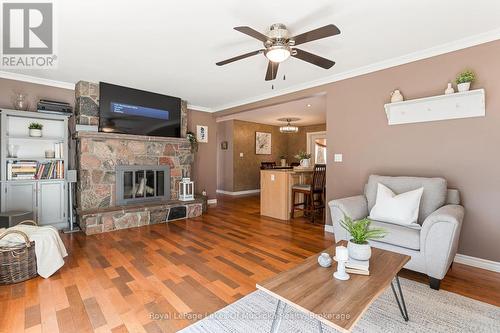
x=312, y=289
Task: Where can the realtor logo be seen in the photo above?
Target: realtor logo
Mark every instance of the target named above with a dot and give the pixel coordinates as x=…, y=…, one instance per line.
x=28, y=35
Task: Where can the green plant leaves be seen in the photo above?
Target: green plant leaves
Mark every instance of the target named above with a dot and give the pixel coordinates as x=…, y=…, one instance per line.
x=465, y=76
x=360, y=230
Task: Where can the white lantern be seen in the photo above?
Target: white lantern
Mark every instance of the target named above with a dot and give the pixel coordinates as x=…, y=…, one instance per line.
x=186, y=189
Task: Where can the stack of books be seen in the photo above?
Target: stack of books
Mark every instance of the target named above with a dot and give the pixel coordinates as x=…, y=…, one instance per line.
x=30, y=170
x=354, y=266
x=21, y=170
x=50, y=170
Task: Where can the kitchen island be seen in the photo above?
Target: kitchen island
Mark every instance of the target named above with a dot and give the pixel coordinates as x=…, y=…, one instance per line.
x=276, y=190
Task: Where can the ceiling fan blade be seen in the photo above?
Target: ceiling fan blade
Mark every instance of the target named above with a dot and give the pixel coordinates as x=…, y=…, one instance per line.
x=313, y=59
x=272, y=70
x=252, y=33
x=323, y=32
x=243, y=56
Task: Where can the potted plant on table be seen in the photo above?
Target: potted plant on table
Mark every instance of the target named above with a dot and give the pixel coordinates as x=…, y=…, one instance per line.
x=464, y=80
x=304, y=158
x=361, y=233
x=35, y=129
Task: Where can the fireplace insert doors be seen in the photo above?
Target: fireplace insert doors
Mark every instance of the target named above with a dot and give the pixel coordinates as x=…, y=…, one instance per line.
x=140, y=183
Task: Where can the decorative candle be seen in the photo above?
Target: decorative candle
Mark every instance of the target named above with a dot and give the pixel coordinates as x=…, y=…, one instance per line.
x=341, y=253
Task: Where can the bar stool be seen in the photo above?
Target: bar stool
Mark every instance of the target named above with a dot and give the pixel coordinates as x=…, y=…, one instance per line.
x=313, y=193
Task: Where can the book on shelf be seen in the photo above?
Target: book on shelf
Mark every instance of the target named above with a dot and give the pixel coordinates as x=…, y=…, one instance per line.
x=59, y=150
x=354, y=266
x=31, y=170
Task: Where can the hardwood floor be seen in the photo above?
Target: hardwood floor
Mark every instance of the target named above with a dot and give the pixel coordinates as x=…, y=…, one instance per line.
x=131, y=280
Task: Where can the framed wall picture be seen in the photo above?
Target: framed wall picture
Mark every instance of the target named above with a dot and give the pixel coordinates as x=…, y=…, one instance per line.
x=223, y=145
x=262, y=143
x=202, y=133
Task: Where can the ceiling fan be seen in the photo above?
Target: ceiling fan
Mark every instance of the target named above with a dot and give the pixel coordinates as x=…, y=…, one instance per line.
x=279, y=46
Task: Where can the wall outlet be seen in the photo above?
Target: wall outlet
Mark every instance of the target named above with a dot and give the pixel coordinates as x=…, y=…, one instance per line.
x=241, y=154
x=273, y=178
x=337, y=157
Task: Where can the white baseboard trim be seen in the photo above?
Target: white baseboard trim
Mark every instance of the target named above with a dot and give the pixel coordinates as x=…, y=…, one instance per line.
x=212, y=201
x=238, y=192
x=477, y=262
x=329, y=228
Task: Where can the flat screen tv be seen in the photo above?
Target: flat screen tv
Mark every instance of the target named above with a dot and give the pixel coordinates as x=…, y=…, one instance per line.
x=132, y=111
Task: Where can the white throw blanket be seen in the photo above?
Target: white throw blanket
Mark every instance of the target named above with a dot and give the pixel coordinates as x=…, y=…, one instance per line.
x=49, y=247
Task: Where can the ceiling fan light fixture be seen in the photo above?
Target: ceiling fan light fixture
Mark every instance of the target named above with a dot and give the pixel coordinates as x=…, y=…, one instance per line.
x=278, y=53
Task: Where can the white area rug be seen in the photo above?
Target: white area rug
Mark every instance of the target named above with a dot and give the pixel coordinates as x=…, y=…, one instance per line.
x=429, y=311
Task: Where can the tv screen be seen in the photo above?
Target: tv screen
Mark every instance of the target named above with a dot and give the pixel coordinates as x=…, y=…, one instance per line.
x=133, y=111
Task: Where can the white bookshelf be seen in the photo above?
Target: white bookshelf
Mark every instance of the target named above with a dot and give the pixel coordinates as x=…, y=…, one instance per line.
x=46, y=198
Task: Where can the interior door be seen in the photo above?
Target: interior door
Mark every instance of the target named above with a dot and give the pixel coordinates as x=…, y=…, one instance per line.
x=51, y=202
x=316, y=146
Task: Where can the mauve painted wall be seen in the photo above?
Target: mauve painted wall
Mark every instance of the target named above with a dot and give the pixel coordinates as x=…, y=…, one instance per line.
x=466, y=151
x=205, y=161
x=8, y=89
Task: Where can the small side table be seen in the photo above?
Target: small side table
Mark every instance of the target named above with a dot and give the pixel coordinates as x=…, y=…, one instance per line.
x=13, y=217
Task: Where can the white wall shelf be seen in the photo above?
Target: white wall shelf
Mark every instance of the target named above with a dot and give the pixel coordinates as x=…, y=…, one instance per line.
x=454, y=106
x=39, y=138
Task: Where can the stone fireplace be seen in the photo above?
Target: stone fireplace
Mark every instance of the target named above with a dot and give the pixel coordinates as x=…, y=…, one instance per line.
x=149, y=169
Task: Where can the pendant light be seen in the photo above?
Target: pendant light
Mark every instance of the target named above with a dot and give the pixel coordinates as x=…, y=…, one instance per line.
x=288, y=128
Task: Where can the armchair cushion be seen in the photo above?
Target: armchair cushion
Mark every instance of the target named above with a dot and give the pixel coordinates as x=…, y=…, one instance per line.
x=399, y=235
x=434, y=196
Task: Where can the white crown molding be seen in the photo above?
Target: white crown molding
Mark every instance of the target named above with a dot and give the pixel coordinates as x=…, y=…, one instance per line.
x=36, y=80
x=238, y=192
x=460, y=44
x=199, y=108
x=478, y=262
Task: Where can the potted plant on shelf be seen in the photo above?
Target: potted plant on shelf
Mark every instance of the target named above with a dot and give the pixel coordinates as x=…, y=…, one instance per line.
x=283, y=160
x=304, y=158
x=464, y=80
x=361, y=233
x=35, y=129
x=192, y=141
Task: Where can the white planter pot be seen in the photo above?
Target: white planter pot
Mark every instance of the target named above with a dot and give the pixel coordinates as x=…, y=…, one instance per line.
x=305, y=163
x=283, y=162
x=35, y=132
x=359, y=251
x=463, y=86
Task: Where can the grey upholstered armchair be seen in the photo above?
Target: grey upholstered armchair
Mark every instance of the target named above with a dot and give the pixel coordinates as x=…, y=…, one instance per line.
x=433, y=245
